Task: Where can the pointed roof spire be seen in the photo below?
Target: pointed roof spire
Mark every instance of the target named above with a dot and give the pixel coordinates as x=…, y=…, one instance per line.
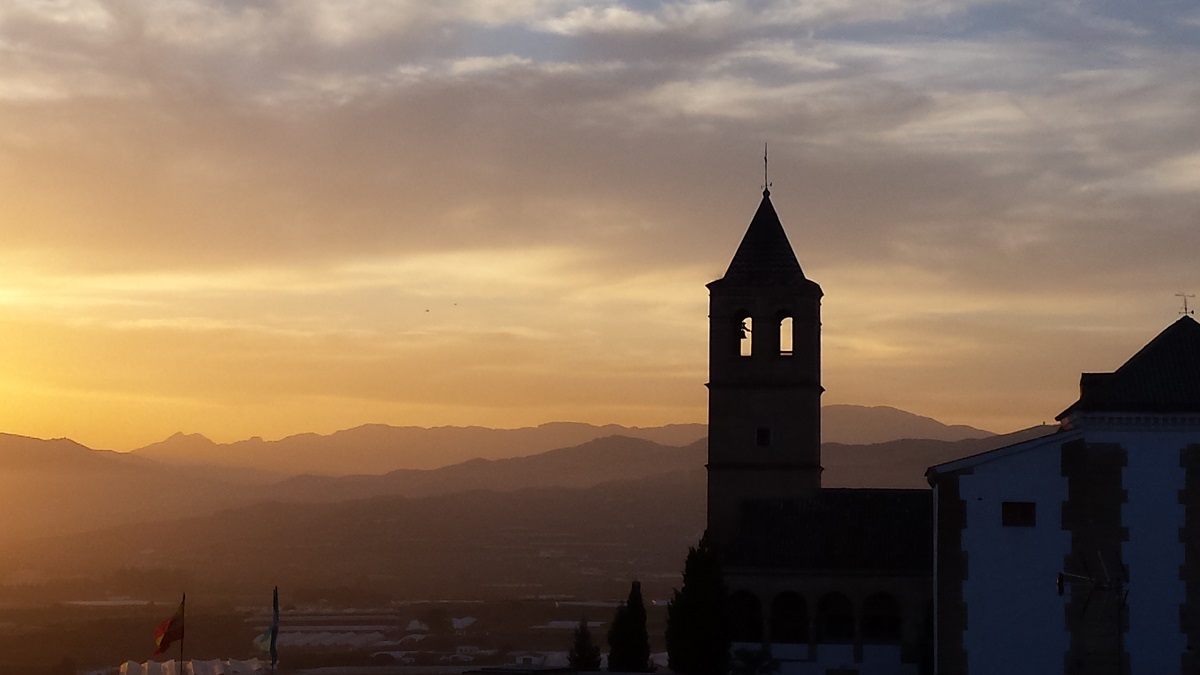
x=1163, y=377
x=765, y=256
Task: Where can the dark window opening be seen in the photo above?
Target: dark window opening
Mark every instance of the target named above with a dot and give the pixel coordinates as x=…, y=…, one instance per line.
x=1018, y=514
x=763, y=437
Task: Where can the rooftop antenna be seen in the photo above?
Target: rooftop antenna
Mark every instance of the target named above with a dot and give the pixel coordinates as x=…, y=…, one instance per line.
x=1186, y=311
x=766, y=183
x=1111, y=588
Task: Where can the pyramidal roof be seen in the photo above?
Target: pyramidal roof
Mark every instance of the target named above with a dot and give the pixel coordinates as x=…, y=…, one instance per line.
x=1163, y=377
x=765, y=255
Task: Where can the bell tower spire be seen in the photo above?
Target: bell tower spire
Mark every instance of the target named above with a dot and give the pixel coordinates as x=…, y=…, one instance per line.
x=764, y=410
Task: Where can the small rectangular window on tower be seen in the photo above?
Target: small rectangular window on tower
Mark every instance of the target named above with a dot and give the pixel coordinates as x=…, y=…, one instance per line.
x=1018, y=514
x=763, y=437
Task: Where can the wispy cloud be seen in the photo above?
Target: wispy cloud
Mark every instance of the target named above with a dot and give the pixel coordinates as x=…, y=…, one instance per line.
x=610, y=19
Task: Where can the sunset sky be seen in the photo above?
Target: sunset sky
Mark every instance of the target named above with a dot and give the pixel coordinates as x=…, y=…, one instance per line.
x=265, y=218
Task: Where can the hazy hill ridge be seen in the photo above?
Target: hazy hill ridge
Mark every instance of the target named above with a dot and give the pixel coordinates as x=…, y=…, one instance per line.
x=50, y=487
x=901, y=463
x=523, y=532
x=862, y=425
x=527, y=541
x=895, y=464
x=614, y=458
x=59, y=486
x=378, y=448
x=24, y=452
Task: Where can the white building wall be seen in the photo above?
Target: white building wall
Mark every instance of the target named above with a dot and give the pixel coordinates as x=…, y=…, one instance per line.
x=1153, y=515
x=1015, y=620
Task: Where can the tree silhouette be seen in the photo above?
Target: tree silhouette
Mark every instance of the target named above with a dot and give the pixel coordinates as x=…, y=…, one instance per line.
x=585, y=655
x=628, y=641
x=698, y=639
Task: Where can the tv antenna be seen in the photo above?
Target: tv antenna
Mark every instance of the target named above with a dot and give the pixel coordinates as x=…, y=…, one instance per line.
x=1185, y=296
x=1111, y=589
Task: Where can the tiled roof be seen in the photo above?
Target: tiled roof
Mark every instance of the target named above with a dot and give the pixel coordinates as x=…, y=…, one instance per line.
x=765, y=255
x=844, y=529
x=1164, y=377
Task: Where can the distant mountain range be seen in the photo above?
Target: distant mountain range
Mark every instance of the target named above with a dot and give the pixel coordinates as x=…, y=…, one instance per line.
x=465, y=545
x=571, y=521
x=377, y=448
x=860, y=425
x=52, y=487
x=598, y=501
x=604, y=460
x=897, y=463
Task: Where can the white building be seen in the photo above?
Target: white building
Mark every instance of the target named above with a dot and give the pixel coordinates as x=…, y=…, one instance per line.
x=1079, y=552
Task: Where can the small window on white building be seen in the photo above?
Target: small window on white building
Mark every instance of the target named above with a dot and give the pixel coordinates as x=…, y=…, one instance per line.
x=1018, y=514
x=747, y=331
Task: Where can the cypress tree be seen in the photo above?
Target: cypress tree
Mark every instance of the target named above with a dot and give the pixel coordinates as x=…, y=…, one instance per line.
x=585, y=655
x=698, y=639
x=628, y=641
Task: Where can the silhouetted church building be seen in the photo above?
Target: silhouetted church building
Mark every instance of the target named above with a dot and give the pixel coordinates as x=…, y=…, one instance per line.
x=828, y=580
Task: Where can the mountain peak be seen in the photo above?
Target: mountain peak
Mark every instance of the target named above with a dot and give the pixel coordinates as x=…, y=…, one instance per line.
x=857, y=424
x=178, y=442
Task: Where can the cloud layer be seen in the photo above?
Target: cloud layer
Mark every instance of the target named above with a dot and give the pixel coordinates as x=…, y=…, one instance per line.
x=231, y=217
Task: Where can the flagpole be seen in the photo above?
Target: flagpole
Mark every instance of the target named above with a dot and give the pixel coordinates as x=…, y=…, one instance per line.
x=183, y=632
x=274, y=627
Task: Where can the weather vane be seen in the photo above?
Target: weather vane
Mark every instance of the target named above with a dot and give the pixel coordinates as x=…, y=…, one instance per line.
x=766, y=183
x=1185, y=296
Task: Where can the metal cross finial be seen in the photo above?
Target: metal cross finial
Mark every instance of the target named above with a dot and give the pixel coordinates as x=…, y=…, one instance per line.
x=1185, y=296
x=766, y=183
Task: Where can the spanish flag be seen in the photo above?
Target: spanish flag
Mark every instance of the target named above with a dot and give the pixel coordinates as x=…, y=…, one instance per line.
x=171, y=630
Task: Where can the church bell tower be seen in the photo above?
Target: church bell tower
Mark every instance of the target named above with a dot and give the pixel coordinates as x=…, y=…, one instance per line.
x=764, y=388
